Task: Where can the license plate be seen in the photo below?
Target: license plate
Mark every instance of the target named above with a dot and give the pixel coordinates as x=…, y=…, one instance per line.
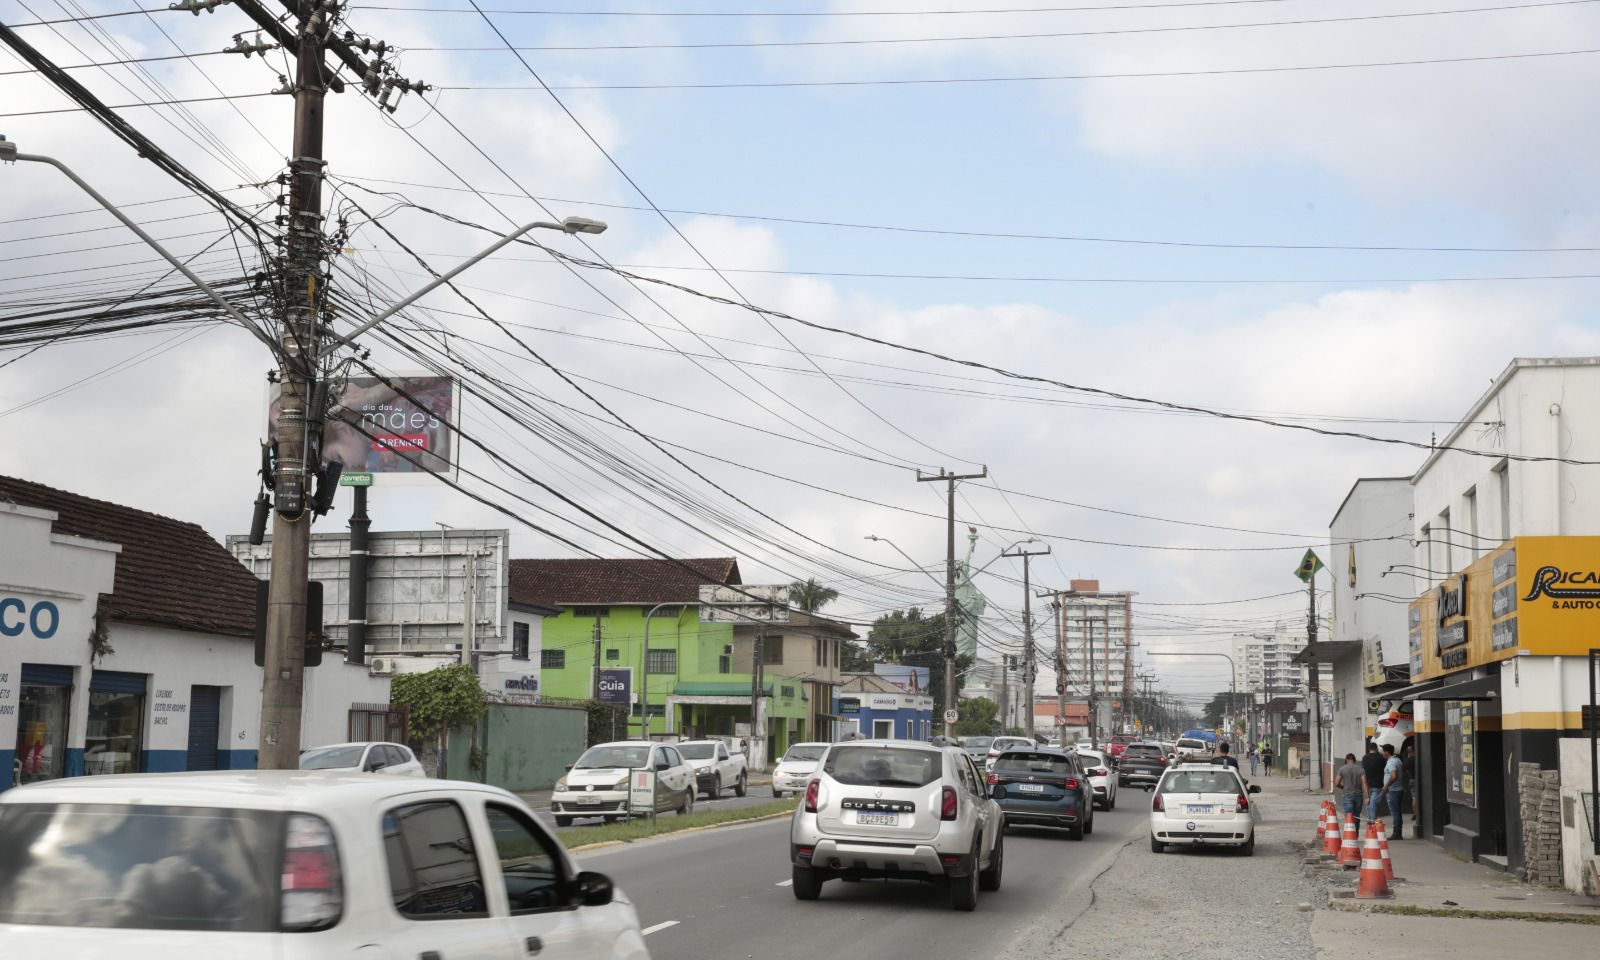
x=1031, y=787
x=868, y=818
x=1199, y=807
x=588, y=801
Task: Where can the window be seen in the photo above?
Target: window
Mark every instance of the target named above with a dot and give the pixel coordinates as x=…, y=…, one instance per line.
x=786, y=691
x=1446, y=545
x=724, y=664
x=590, y=613
x=433, y=867
x=613, y=655
x=656, y=710
x=553, y=659
x=1470, y=508
x=1427, y=550
x=519, y=641
x=870, y=766
x=662, y=661
x=883, y=729
x=667, y=757
x=530, y=866
x=772, y=650
x=1502, y=474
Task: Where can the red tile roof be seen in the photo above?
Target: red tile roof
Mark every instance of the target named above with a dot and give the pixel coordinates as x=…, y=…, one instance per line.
x=561, y=583
x=169, y=573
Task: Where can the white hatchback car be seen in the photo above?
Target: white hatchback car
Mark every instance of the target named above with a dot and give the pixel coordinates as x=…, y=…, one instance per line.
x=1100, y=777
x=597, y=785
x=394, y=759
x=1000, y=745
x=794, y=771
x=1203, y=803
x=284, y=865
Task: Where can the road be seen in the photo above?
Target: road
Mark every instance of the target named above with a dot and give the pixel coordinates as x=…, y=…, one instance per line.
x=724, y=894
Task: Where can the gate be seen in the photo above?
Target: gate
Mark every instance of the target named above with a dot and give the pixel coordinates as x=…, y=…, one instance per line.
x=205, y=706
x=379, y=721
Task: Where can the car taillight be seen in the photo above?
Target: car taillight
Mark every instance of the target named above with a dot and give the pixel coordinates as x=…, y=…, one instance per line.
x=812, y=789
x=947, y=803
x=1386, y=722
x=1244, y=803
x=1098, y=772
x=311, y=894
x=1155, y=804
x=994, y=778
x=1071, y=783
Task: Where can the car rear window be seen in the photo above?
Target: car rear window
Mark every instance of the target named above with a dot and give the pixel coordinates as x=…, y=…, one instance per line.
x=877, y=766
x=976, y=743
x=147, y=867
x=697, y=751
x=1200, y=781
x=1141, y=750
x=801, y=754
x=1017, y=762
x=1192, y=744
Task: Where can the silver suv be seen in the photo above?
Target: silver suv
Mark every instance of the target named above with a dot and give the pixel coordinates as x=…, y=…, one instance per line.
x=900, y=810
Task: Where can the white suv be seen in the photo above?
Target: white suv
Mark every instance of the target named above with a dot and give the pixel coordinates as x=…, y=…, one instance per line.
x=281, y=865
x=898, y=810
x=1203, y=803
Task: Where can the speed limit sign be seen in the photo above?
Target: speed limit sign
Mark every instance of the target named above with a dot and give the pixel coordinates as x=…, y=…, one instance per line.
x=951, y=716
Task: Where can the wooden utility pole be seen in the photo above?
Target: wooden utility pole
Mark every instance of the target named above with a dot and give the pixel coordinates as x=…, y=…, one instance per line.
x=950, y=587
x=283, y=671
x=1028, y=668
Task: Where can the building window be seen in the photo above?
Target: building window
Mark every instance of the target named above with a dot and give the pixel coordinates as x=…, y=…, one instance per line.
x=1470, y=508
x=662, y=661
x=772, y=650
x=817, y=650
x=553, y=659
x=787, y=692
x=724, y=664
x=656, y=710
x=1502, y=474
x=591, y=613
x=671, y=613
x=519, y=641
x=613, y=655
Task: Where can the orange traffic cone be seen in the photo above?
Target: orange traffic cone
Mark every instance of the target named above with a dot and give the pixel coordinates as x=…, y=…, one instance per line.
x=1330, y=835
x=1372, y=884
x=1383, y=849
x=1349, y=845
x=1322, y=823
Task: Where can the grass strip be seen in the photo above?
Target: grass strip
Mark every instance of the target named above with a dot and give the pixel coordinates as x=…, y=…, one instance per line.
x=641, y=828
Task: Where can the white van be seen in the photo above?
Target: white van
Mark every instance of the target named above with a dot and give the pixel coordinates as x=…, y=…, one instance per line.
x=1194, y=751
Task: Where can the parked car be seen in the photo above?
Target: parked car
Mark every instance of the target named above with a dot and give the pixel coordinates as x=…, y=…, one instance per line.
x=1393, y=725
x=1142, y=764
x=901, y=810
x=1045, y=788
x=395, y=759
x=598, y=784
x=275, y=865
x=1119, y=743
x=796, y=768
x=1203, y=803
x=1000, y=745
x=1104, y=782
x=977, y=747
x=714, y=767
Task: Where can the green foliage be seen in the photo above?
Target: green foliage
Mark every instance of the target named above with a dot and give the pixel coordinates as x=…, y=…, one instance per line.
x=977, y=717
x=439, y=699
x=909, y=637
x=810, y=595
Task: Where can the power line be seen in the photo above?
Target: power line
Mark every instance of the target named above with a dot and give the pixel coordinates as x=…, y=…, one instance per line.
x=142, y=103
x=114, y=63
x=936, y=12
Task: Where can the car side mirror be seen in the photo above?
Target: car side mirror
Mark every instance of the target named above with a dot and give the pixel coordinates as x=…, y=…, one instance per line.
x=375, y=766
x=663, y=765
x=1253, y=788
x=997, y=791
x=594, y=889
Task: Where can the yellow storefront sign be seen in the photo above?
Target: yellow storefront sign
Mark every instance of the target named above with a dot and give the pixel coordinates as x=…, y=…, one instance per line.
x=1539, y=595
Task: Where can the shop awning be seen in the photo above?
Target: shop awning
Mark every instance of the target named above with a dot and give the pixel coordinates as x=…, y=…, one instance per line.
x=1473, y=688
x=1328, y=651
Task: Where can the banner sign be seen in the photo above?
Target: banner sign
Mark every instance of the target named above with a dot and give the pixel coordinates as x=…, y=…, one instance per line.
x=375, y=428
x=720, y=603
x=616, y=687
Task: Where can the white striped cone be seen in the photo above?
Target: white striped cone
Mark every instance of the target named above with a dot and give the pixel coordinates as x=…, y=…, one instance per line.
x=1372, y=884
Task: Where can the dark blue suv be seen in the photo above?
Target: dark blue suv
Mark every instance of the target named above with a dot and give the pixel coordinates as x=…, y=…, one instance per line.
x=1043, y=787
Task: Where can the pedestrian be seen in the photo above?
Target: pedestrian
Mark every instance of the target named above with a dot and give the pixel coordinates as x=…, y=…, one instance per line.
x=1408, y=769
x=1350, y=786
x=1255, y=761
x=1266, y=759
x=1224, y=759
x=1372, y=764
x=1394, y=785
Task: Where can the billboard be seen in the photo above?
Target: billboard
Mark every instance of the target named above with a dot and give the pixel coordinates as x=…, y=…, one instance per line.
x=397, y=430
x=743, y=604
x=616, y=687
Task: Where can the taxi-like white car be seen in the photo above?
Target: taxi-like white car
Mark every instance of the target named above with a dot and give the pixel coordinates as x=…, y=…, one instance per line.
x=598, y=784
x=794, y=771
x=291, y=865
x=1203, y=803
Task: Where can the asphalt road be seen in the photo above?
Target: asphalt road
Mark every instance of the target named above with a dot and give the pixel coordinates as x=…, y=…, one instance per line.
x=724, y=895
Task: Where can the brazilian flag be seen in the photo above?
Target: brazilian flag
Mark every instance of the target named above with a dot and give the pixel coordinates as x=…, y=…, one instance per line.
x=1309, y=566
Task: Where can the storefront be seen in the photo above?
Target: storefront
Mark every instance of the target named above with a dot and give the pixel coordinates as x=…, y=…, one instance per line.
x=867, y=709
x=1499, y=663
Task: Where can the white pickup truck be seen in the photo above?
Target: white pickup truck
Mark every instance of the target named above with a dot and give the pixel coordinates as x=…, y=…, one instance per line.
x=715, y=768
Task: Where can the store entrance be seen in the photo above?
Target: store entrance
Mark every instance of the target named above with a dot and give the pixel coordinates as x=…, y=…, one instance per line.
x=42, y=713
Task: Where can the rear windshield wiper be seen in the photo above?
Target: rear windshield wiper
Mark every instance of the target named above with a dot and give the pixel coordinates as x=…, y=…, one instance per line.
x=898, y=783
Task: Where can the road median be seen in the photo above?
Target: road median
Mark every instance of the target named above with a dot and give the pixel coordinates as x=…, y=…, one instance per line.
x=642, y=829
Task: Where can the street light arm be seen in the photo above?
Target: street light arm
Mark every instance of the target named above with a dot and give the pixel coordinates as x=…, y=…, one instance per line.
x=569, y=225
x=878, y=539
x=177, y=264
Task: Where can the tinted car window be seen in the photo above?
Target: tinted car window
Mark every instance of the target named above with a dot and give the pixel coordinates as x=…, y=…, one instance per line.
x=532, y=871
x=433, y=867
x=333, y=758
x=673, y=759
x=1142, y=750
x=976, y=743
x=147, y=867
x=698, y=751
x=606, y=757
x=1035, y=763
x=805, y=753
x=396, y=755
x=877, y=766
x=1200, y=781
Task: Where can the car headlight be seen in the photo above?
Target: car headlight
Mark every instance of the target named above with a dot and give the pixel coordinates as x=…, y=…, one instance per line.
x=620, y=784
x=561, y=785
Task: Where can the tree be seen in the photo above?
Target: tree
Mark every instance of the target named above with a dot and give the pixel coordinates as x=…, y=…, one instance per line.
x=909, y=637
x=977, y=717
x=442, y=698
x=811, y=596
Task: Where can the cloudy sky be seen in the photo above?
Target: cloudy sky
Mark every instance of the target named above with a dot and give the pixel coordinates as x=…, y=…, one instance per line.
x=1343, y=215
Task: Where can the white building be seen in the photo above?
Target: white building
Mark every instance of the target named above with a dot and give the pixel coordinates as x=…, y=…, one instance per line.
x=126, y=645
x=1095, y=631
x=1264, y=662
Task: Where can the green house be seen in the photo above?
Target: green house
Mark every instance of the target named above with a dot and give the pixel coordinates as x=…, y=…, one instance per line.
x=696, y=679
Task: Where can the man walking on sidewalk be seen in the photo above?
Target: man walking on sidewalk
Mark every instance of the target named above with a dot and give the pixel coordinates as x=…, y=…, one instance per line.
x=1394, y=788
x=1350, y=786
x=1372, y=764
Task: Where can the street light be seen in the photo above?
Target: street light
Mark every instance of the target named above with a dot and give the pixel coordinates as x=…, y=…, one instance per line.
x=877, y=539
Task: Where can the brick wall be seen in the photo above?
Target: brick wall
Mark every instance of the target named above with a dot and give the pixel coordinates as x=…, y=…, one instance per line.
x=1540, y=791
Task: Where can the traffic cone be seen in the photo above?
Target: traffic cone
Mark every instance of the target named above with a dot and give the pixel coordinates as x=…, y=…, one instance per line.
x=1330, y=835
x=1349, y=845
x=1372, y=884
x=1383, y=849
x=1322, y=823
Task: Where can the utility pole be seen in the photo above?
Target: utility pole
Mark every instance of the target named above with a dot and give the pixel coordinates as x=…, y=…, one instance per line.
x=1088, y=646
x=594, y=681
x=1028, y=669
x=1061, y=661
x=298, y=427
x=757, y=668
x=950, y=584
x=1313, y=685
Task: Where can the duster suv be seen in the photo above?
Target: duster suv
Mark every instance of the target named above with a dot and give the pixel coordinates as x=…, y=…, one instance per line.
x=898, y=810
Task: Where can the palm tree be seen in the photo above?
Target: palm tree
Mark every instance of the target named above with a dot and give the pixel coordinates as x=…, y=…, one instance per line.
x=811, y=596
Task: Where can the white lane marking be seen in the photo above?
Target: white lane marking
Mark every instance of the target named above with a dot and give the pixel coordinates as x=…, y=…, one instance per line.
x=786, y=883
x=659, y=927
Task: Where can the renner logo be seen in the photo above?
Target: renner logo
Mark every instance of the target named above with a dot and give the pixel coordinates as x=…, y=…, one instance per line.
x=1548, y=582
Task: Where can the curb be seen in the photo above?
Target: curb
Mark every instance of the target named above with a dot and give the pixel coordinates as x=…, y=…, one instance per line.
x=1407, y=910
x=675, y=833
